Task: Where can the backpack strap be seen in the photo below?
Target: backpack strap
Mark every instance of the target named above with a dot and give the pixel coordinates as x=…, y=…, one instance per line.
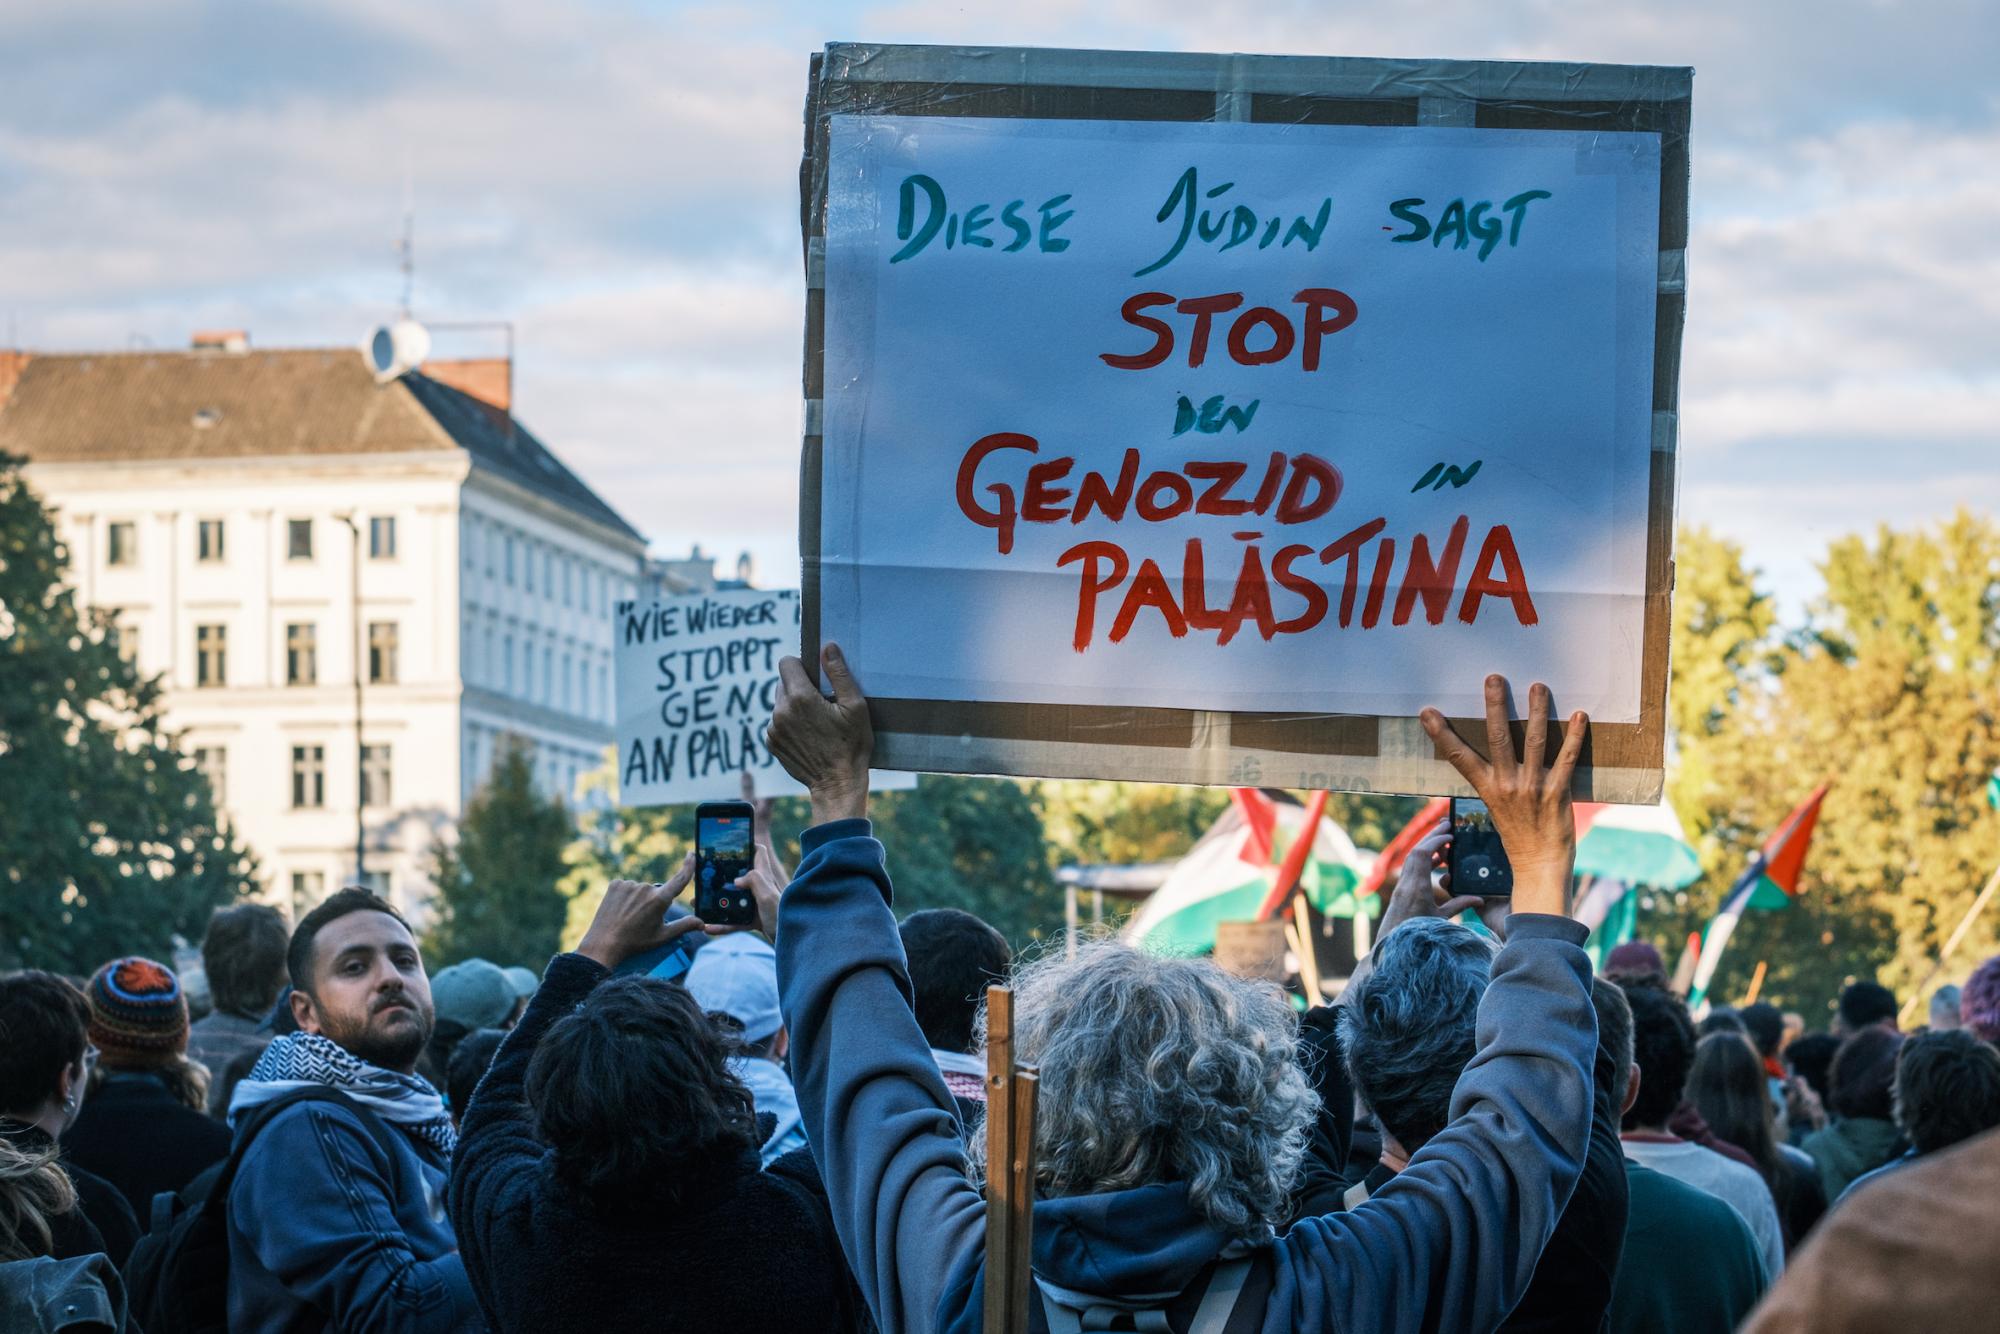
x=1218, y=1303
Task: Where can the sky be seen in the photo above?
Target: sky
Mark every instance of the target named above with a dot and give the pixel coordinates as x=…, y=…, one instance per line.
x=621, y=182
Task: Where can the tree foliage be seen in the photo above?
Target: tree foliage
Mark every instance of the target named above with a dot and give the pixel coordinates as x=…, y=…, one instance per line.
x=1890, y=690
x=499, y=895
x=112, y=840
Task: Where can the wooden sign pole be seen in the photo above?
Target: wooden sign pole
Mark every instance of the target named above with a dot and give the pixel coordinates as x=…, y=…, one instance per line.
x=1010, y=1172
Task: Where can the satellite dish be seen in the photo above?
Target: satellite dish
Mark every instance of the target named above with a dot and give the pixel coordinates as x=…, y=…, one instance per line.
x=395, y=350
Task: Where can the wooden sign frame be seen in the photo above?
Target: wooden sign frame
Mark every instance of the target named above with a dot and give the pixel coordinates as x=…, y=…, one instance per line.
x=1622, y=762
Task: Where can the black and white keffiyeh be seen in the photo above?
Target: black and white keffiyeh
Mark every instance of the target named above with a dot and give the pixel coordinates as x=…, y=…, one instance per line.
x=407, y=1102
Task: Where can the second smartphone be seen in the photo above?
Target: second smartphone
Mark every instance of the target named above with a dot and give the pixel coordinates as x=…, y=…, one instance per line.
x=724, y=851
x=1479, y=863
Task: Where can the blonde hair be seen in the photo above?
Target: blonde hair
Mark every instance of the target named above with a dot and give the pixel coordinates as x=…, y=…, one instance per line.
x=33, y=1189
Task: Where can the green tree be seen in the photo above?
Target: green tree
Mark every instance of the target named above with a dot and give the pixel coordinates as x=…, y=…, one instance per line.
x=499, y=895
x=112, y=841
x=1892, y=692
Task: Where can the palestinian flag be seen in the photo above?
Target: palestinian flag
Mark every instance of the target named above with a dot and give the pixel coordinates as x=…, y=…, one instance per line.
x=1768, y=884
x=1229, y=873
x=1640, y=845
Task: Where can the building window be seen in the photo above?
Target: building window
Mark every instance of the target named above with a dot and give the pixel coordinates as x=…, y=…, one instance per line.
x=528, y=567
x=308, y=778
x=308, y=888
x=298, y=539
x=381, y=653
x=301, y=654
x=122, y=544
x=208, y=541
x=212, y=763
x=123, y=637
x=211, y=655
x=549, y=573
x=489, y=673
x=548, y=676
x=376, y=883
x=375, y=788
x=382, y=537
x=568, y=681
x=528, y=669
x=510, y=561
x=486, y=546
x=507, y=663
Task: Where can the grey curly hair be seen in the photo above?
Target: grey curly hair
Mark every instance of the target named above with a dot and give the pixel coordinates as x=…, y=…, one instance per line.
x=1160, y=1069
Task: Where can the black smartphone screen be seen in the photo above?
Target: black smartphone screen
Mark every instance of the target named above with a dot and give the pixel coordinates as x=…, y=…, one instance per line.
x=1479, y=863
x=723, y=850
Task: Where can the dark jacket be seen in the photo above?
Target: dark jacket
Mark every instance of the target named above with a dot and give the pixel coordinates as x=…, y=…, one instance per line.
x=1325, y=1176
x=1449, y=1244
x=51, y=1296
x=1573, y=1281
x=218, y=1040
x=135, y=1134
x=327, y=1229
x=745, y=1250
x=1850, y=1147
x=1690, y=1266
x=101, y=1221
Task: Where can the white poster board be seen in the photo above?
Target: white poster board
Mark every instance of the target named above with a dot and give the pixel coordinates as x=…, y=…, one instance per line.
x=697, y=677
x=1237, y=417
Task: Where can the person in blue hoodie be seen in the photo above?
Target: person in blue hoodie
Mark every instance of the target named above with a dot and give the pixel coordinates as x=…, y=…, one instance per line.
x=337, y=1214
x=1173, y=1114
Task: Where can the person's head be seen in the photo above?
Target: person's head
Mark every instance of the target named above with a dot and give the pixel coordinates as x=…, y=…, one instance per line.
x=1615, y=1068
x=1766, y=1025
x=1407, y=1028
x=1864, y=1005
x=139, y=1021
x=243, y=953
x=737, y=976
x=239, y=1068
x=469, y=1060
x=525, y=985
x=1727, y=1086
x=1947, y=1089
x=471, y=995
x=953, y=958
x=1863, y=1077
x=1163, y=1070
x=358, y=980
x=44, y=1035
x=1944, y=1007
x=1635, y=960
x=1722, y=1019
x=632, y=1090
x=1979, y=1003
x=1810, y=1057
x=1663, y=1048
x=33, y=1189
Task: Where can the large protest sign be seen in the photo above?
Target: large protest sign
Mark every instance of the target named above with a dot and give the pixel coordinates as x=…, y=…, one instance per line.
x=1201, y=419
x=697, y=677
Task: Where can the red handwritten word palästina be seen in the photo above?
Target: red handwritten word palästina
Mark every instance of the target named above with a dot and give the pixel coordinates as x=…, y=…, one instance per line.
x=1290, y=490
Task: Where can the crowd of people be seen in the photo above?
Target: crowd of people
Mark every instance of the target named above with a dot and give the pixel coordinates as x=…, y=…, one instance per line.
x=1477, y=1133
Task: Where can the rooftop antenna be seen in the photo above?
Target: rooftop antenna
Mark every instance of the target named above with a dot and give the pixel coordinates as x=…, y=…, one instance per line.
x=406, y=249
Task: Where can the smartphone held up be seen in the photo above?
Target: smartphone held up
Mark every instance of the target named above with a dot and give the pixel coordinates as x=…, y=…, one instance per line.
x=1478, y=861
x=724, y=852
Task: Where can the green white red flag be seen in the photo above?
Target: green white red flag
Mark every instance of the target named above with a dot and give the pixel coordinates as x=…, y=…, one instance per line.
x=1769, y=883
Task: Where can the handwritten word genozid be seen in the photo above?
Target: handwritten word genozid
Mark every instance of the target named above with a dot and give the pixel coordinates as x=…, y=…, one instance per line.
x=1291, y=491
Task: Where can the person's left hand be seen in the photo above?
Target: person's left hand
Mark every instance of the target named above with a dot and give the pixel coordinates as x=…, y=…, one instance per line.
x=1417, y=892
x=633, y=919
x=826, y=744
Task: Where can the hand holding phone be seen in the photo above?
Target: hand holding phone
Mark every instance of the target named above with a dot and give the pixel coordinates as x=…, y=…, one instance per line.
x=724, y=852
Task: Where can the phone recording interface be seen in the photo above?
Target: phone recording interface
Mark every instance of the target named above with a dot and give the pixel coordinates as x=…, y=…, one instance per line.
x=723, y=854
x=1478, y=860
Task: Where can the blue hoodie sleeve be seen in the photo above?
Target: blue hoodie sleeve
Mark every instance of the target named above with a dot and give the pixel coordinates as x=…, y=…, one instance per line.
x=881, y=1124
x=1452, y=1242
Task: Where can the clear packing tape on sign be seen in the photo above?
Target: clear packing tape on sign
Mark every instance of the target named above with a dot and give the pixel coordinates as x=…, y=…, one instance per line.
x=1199, y=419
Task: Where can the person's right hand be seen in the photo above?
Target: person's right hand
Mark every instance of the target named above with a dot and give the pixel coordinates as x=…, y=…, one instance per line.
x=826, y=744
x=632, y=918
x=1420, y=891
x=1530, y=804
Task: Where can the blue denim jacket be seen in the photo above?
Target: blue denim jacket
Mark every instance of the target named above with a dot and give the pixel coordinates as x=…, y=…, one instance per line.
x=322, y=1223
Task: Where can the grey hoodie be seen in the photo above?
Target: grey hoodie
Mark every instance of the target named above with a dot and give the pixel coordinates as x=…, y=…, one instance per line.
x=1450, y=1244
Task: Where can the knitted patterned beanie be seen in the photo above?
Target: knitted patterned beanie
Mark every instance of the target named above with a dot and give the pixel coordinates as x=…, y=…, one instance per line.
x=138, y=1017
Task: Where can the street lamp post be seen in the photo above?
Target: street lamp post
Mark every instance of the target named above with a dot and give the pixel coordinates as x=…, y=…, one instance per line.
x=360, y=751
